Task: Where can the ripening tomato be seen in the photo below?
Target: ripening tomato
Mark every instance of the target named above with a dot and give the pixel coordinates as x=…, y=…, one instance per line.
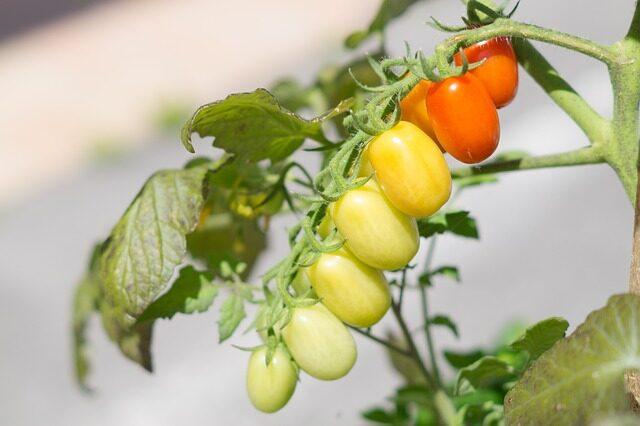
x=356, y=293
x=375, y=231
x=414, y=109
x=464, y=118
x=410, y=169
x=270, y=386
x=499, y=72
x=320, y=343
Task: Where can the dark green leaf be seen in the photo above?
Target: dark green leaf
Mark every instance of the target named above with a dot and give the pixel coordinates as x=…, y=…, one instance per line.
x=462, y=359
x=85, y=303
x=148, y=242
x=450, y=272
x=582, y=376
x=418, y=394
x=231, y=314
x=389, y=10
x=455, y=222
x=540, y=337
x=253, y=126
x=481, y=374
x=444, y=321
x=193, y=291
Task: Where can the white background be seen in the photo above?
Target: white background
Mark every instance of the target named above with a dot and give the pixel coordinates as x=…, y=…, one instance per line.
x=554, y=242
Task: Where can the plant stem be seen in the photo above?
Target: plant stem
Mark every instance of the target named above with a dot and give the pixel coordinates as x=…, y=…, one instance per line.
x=425, y=313
x=503, y=27
x=382, y=341
x=561, y=92
x=412, y=346
x=589, y=155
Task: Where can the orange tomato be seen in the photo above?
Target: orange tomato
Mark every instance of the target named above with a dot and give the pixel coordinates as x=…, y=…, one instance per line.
x=499, y=72
x=414, y=109
x=464, y=118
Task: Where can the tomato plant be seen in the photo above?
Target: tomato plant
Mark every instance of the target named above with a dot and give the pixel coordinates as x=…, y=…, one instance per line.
x=193, y=234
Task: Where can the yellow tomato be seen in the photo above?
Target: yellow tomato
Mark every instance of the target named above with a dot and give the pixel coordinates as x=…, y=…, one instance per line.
x=413, y=108
x=375, y=231
x=270, y=386
x=366, y=169
x=320, y=343
x=356, y=293
x=410, y=169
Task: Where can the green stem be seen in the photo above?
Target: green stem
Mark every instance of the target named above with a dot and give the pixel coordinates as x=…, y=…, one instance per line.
x=589, y=155
x=383, y=342
x=415, y=354
x=561, y=92
x=425, y=313
x=508, y=28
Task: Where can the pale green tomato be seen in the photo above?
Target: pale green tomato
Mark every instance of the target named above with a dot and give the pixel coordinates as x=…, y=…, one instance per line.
x=270, y=386
x=320, y=343
x=375, y=231
x=301, y=283
x=326, y=226
x=356, y=293
x=261, y=323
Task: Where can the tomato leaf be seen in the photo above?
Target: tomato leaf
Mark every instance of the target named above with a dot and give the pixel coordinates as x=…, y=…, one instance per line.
x=582, y=376
x=231, y=314
x=388, y=11
x=462, y=359
x=538, y=338
x=85, y=303
x=477, y=180
x=149, y=241
x=455, y=222
x=444, y=321
x=193, y=291
x=253, y=126
x=481, y=374
x=134, y=340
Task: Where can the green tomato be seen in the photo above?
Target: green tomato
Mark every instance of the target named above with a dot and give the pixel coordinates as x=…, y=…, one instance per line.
x=356, y=293
x=301, y=283
x=326, y=226
x=319, y=343
x=375, y=231
x=270, y=386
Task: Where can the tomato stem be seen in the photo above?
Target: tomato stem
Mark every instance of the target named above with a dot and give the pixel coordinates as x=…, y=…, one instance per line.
x=588, y=155
x=382, y=341
x=425, y=314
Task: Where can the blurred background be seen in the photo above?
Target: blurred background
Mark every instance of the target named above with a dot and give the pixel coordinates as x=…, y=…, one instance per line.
x=92, y=94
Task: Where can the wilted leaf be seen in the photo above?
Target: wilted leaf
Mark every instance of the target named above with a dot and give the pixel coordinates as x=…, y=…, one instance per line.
x=85, y=303
x=582, y=376
x=148, y=242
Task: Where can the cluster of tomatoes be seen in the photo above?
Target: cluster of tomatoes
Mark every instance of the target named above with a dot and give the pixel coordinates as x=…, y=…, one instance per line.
x=457, y=115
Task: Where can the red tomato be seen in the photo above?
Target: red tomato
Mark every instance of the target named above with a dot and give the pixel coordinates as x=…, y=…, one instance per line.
x=499, y=72
x=464, y=118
